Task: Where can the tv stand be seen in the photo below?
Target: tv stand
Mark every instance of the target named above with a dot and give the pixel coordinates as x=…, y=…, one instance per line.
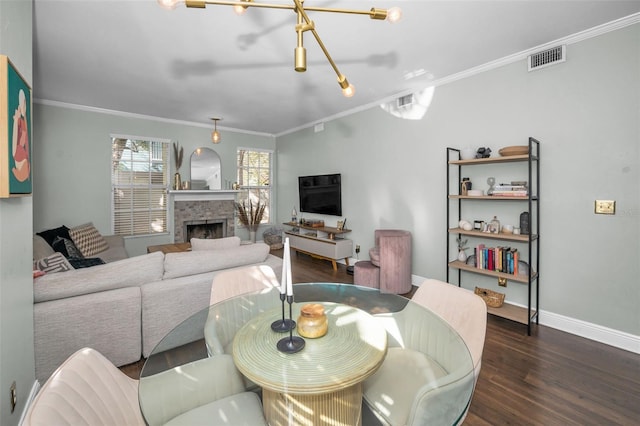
x=321, y=242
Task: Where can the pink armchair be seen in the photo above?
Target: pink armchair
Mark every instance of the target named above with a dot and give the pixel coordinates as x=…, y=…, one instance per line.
x=390, y=266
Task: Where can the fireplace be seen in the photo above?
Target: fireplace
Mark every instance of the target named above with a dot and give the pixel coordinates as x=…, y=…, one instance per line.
x=205, y=229
x=211, y=214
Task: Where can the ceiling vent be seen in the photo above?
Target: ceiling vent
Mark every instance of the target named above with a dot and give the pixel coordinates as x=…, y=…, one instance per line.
x=552, y=56
x=405, y=101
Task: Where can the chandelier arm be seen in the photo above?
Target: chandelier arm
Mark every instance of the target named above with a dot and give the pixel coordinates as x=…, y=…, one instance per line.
x=373, y=13
x=304, y=15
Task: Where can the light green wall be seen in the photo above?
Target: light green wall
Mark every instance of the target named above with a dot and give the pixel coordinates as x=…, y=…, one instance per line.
x=73, y=149
x=586, y=114
x=16, y=290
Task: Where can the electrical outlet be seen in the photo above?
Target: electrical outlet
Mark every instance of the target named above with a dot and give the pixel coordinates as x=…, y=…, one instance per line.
x=605, y=207
x=357, y=248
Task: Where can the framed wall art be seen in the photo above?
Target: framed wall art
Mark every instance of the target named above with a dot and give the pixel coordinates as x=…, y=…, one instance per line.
x=15, y=137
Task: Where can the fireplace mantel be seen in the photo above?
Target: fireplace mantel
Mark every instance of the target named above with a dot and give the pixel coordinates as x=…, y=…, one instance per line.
x=202, y=194
x=201, y=205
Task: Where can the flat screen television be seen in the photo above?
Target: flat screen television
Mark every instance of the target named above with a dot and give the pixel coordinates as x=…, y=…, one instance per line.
x=320, y=194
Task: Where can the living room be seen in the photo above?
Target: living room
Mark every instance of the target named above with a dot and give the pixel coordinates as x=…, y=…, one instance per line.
x=584, y=111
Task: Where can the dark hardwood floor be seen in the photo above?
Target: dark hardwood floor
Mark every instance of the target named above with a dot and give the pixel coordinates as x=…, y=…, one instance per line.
x=548, y=378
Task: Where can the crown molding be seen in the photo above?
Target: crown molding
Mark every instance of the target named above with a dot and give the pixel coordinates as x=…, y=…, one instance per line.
x=519, y=56
x=144, y=117
x=574, y=38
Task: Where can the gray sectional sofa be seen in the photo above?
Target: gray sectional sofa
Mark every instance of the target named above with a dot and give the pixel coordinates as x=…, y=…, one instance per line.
x=125, y=307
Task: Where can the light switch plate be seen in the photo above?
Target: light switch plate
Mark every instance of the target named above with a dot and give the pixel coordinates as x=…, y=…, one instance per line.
x=605, y=207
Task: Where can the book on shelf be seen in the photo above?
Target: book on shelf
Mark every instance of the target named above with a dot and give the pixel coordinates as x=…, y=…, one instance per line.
x=513, y=189
x=499, y=259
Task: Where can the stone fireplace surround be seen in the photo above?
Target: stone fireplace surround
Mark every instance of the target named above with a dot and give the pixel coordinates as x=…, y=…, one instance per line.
x=202, y=206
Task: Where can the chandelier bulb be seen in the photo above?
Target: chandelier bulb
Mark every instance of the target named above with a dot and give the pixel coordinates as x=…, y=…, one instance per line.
x=241, y=10
x=349, y=91
x=168, y=4
x=394, y=15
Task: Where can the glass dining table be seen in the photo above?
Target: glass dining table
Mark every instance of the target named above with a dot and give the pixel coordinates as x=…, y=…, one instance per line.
x=322, y=383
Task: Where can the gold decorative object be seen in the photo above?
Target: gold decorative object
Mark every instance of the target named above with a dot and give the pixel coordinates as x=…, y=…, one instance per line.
x=178, y=155
x=303, y=24
x=312, y=322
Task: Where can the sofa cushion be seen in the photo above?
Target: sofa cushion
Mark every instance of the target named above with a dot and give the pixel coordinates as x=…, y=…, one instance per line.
x=214, y=243
x=53, y=263
x=88, y=240
x=50, y=234
x=133, y=271
x=117, y=249
x=200, y=261
x=108, y=321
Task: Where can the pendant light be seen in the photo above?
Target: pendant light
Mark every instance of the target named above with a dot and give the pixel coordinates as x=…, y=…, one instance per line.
x=215, y=135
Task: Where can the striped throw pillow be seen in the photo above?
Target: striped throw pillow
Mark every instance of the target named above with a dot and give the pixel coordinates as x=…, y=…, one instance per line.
x=88, y=240
x=54, y=263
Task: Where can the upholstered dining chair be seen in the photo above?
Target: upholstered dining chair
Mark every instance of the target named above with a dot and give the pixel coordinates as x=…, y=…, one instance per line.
x=464, y=310
x=208, y=391
x=232, y=283
x=420, y=382
x=87, y=389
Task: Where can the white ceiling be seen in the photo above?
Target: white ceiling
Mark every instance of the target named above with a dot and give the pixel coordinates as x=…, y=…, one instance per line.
x=193, y=64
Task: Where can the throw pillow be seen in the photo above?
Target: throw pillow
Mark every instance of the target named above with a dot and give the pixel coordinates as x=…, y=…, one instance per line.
x=66, y=247
x=88, y=240
x=50, y=234
x=54, y=263
x=214, y=243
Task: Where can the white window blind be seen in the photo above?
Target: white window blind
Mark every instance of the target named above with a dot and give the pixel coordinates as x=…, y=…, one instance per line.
x=254, y=178
x=139, y=179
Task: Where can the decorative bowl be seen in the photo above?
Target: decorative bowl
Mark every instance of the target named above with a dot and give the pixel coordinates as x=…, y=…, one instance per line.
x=514, y=150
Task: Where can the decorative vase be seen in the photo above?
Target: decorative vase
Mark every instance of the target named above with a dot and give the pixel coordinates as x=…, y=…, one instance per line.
x=252, y=236
x=313, y=322
x=462, y=256
x=177, y=182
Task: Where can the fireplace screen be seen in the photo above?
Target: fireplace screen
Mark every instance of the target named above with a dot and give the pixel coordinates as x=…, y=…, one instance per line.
x=205, y=229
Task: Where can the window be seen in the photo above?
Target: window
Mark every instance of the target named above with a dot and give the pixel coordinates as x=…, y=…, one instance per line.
x=139, y=182
x=254, y=178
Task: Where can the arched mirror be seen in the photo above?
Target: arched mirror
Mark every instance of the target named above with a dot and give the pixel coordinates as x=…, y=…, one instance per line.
x=205, y=169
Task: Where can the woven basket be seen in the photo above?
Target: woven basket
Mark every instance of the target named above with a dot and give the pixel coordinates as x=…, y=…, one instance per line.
x=490, y=297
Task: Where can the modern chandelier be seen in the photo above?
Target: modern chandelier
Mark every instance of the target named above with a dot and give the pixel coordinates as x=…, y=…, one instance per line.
x=303, y=24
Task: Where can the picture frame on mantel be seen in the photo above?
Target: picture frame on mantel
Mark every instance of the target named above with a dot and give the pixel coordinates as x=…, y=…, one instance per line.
x=15, y=137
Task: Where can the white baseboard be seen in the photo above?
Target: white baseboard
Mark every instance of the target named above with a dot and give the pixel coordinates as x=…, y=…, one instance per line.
x=608, y=336
x=34, y=391
x=595, y=332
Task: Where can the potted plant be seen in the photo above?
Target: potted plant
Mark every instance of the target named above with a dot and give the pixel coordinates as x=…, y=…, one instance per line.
x=462, y=256
x=250, y=216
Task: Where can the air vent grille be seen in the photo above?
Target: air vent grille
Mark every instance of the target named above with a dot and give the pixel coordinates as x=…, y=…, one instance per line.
x=405, y=101
x=547, y=57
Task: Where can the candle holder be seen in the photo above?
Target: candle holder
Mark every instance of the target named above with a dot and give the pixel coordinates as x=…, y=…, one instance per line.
x=285, y=324
x=291, y=344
